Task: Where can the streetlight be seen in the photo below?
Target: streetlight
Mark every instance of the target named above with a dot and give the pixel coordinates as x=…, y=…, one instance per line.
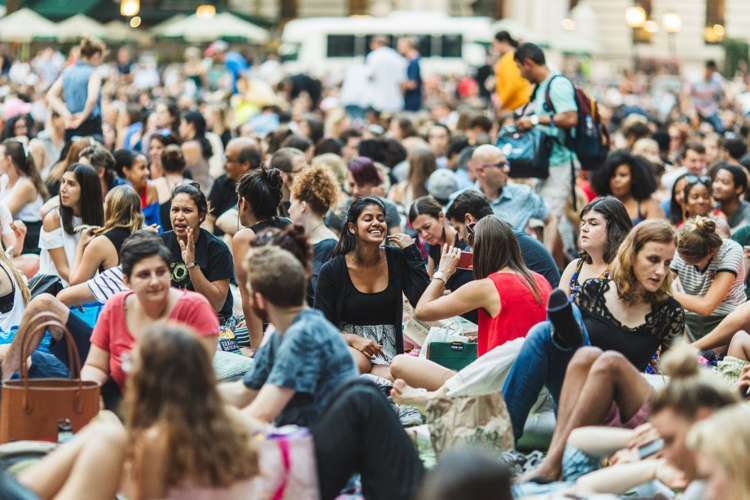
x=635, y=17
x=672, y=23
x=205, y=10
x=130, y=8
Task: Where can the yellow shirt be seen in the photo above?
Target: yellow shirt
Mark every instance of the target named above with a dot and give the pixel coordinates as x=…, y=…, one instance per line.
x=513, y=90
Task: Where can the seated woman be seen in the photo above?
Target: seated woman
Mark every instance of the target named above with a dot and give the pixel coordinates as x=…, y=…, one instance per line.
x=428, y=220
x=314, y=192
x=698, y=203
x=145, y=264
x=711, y=273
x=629, y=179
x=200, y=261
x=133, y=167
x=99, y=247
x=14, y=294
x=510, y=298
x=22, y=190
x=604, y=224
x=360, y=289
x=631, y=313
x=674, y=207
x=259, y=193
x=160, y=453
x=59, y=239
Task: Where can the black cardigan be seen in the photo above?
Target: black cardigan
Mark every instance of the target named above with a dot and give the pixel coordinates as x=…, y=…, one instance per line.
x=405, y=266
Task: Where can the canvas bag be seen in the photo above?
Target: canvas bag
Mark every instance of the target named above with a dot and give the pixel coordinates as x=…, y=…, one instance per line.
x=32, y=409
x=287, y=464
x=475, y=421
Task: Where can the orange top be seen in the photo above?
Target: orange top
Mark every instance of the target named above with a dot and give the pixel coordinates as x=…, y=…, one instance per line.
x=513, y=90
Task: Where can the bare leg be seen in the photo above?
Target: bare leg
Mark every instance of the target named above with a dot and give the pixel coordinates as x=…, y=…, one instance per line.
x=90, y=466
x=418, y=372
x=363, y=364
x=739, y=347
x=611, y=379
x=403, y=394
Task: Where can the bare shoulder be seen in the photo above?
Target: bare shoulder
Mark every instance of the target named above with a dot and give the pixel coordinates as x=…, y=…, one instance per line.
x=51, y=221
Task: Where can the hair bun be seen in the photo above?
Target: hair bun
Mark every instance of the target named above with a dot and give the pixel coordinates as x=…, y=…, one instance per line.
x=680, y=361
x=273, y=177
x=705, y=224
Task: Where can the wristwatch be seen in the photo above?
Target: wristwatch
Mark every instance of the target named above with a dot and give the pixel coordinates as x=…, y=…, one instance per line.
x=438, y=275
x=534, y=120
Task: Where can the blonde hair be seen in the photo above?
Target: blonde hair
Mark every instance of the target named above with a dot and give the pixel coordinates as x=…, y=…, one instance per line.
x=658, y=231
x=690, y=386
x=697, y=238
x=724, y=437
x=122, y=208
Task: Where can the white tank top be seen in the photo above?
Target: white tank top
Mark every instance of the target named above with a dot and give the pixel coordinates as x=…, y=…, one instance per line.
x=12, y=317
x=31, y=212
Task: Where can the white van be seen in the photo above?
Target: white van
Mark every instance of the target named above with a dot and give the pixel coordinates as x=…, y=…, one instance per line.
x=324, y=46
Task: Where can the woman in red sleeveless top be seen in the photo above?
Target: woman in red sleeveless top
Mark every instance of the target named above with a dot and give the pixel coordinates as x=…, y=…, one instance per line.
x=510, y=298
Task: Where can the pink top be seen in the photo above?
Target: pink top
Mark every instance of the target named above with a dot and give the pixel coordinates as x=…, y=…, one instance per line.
x=111, y=332
x=519, y=310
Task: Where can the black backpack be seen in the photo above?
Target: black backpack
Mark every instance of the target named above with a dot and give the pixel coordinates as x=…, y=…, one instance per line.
x=591, y=142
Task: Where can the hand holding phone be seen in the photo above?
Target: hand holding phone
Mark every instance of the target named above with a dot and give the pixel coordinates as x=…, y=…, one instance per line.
x=466, y=261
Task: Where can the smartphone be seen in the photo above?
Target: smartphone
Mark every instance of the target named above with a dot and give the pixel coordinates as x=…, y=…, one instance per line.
x=651, y=448
x=82, y=228
x=466, y=261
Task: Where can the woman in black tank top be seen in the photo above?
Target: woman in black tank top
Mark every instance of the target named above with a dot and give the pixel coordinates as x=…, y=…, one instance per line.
x=98, y=248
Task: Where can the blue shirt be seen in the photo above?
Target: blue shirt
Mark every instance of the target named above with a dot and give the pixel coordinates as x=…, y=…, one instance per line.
x=413, y=97
x=76, y=88
x=311, y=358
x=516, y=204
x=562, y=95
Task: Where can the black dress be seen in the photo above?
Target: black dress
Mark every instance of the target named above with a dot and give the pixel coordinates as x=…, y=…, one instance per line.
x=663, y=324
x=117, y=236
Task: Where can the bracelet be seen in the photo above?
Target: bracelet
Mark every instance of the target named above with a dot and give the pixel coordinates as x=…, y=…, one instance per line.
x=190, y=266
x=440, y=278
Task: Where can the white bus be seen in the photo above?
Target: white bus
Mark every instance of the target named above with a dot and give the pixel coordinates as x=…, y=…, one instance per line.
x=324, y=46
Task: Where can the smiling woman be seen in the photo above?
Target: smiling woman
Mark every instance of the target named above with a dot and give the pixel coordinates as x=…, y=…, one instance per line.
x=360, y=289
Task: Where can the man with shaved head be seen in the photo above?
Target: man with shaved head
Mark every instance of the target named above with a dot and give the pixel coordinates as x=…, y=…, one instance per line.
x=241, y=156
x=514, y=203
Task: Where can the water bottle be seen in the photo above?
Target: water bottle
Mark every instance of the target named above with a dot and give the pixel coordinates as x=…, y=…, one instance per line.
x=64, y=430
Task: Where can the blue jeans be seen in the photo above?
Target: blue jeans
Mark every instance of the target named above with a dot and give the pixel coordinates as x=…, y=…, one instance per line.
x=541, y=363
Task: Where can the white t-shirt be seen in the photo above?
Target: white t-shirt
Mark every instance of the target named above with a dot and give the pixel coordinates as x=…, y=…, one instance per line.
x=386, y=71
x=730, y=258
x=56, y=239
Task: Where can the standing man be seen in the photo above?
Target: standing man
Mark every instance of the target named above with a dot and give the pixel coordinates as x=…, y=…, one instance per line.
x=386, y=71
x=241, y=156
x=556, y=122
x=706, y=95
x=513, y=91
x=412, y=87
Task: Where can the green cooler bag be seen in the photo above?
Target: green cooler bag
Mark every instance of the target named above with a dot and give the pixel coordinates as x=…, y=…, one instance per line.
x=452, y=355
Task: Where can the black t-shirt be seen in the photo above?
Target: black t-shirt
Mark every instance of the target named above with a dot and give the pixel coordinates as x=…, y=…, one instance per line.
x=459, y=278
x=222, y=197
x=213, y=257
x=663, y=324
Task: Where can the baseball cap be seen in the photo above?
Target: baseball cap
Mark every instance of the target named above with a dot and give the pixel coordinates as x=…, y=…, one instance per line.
x=442, y=184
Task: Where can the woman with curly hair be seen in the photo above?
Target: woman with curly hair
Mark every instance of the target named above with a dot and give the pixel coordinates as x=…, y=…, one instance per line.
x=630, y=179
x=313, y=193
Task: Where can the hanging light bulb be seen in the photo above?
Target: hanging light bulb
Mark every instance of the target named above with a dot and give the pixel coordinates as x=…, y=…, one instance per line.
x=130, y=8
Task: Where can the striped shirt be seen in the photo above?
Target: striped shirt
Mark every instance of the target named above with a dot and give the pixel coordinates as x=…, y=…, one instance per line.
x=107, y=283
x=729, y=258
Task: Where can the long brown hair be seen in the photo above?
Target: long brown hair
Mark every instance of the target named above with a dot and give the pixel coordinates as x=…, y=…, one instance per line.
x=496, y=247
x=422, y=164
x=74, y=154
x=658, y=231
x=173, y=386
x=24, y=162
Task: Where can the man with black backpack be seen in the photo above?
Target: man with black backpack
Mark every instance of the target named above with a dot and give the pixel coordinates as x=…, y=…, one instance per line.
x=558, y=120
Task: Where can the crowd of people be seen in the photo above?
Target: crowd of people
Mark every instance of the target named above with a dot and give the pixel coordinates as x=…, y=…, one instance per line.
x=233, y=252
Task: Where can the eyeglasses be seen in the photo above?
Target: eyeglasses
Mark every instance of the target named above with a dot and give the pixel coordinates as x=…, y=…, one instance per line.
x=501, y=165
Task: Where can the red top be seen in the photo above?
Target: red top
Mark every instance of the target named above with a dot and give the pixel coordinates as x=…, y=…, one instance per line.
x=519, y=310
x=111, y=332
x=144, y=197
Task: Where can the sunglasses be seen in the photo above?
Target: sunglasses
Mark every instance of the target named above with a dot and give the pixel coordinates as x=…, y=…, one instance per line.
x=470, y=232
x=695, y=179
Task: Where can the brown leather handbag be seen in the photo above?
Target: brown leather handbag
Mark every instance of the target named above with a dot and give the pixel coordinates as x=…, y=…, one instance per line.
x=36, y=409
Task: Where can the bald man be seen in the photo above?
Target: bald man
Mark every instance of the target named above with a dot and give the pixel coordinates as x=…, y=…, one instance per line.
x=241, y=156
